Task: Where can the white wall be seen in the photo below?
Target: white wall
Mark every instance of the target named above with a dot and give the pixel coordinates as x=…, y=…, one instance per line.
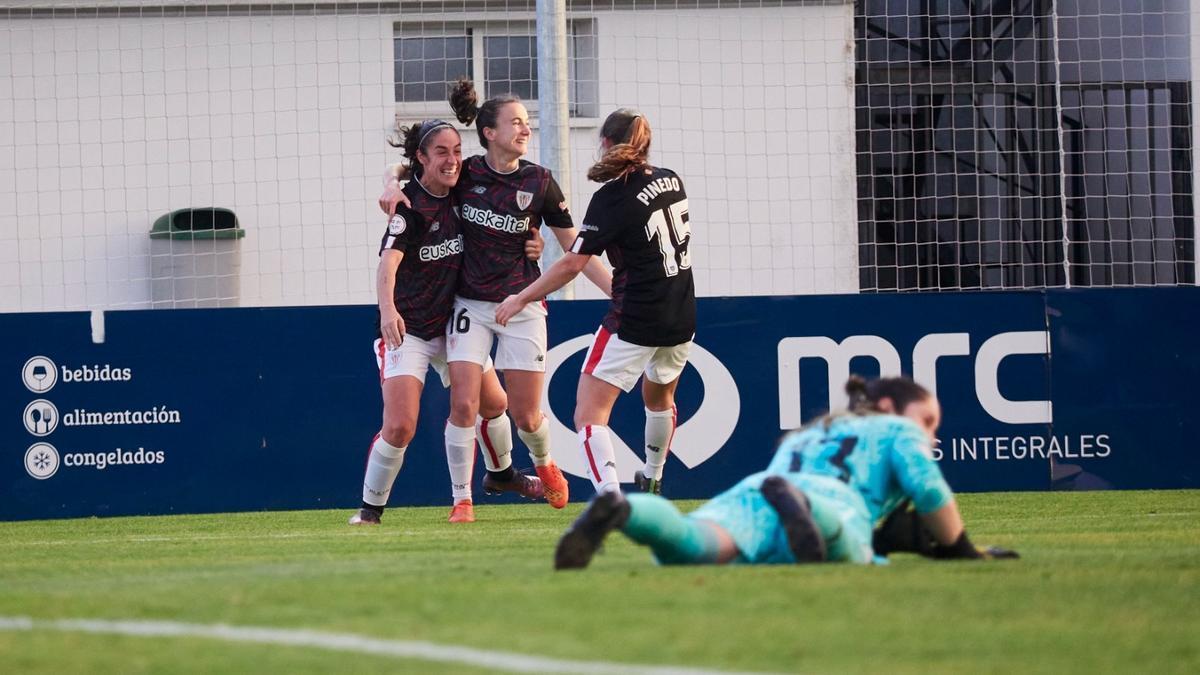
x=107, y=123
x=114, y=122
x=755, y=109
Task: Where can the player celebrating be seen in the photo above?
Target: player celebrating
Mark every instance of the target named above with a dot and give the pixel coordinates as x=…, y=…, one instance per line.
x=640, y=217
x=419, y=261
x=504, y=199
x=825, y=487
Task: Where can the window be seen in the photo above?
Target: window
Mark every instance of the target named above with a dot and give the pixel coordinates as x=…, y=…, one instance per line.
x=511, y=65
x=424, y=65
x=501, y=57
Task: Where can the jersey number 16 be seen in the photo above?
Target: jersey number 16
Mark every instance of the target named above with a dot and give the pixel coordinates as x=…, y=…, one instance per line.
x=670, y=226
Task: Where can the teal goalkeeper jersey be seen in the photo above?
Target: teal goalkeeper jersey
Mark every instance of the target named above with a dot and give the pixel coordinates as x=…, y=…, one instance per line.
x=884, y=458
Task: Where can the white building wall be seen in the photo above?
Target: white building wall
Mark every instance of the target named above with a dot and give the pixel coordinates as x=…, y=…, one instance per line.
x=755, y=110
x=108, y=123
x=114, y=122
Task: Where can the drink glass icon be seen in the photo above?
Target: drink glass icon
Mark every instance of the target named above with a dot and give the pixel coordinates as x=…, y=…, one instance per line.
x=40, y=374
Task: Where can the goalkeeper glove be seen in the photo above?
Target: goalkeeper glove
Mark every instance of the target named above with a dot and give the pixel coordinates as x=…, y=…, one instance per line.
x=903, y=532
x=962, y=548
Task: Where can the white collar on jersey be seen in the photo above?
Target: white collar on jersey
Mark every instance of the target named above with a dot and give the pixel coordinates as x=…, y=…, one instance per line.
x=502, y=173
x=430, y=193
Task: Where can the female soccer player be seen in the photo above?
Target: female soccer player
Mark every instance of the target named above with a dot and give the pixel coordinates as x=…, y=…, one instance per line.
x=504, y=198
x=419, y=260
x=640, y=217
x=818, y=499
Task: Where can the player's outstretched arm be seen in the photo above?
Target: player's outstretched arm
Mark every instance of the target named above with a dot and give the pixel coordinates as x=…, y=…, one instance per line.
x=946, y=526
x=903, y=532
x=561, y=272
x=391, y=324
x=392, y=185
x=595, y=271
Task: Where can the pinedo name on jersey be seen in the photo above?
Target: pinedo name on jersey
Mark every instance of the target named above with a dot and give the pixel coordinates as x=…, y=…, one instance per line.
x=495, y=221
x=658, y=186
x=443, y=250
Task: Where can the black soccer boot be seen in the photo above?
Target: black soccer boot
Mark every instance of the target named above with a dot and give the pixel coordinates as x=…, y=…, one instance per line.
x=796, y=517
x=647, y=484
x=529, y=487
x=606, y=512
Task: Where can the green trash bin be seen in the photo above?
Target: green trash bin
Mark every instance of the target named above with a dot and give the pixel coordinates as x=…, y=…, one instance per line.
x=196, y=259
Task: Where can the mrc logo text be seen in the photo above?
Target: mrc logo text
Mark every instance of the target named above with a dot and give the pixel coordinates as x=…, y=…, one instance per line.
x=928, y=350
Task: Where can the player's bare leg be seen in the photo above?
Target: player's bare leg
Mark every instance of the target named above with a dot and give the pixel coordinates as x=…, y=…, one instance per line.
x=661, y=420
x=525, y=406
x=465, y=381
x=401, y=405
x=493, y=431
x=594, y=399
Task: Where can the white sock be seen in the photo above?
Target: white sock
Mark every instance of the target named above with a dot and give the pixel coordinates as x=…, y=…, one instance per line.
x=383, y=465
x=460, y=457
x=538, y=442
x=598, y=457
x=495, y=441
x=660, y=429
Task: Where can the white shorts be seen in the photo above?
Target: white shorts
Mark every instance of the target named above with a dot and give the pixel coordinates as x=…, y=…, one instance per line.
x=414, y=357
x=621, y=363
x=521, y=344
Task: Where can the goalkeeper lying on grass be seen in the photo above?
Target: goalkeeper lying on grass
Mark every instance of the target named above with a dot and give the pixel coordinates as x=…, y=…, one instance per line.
x=817, y=501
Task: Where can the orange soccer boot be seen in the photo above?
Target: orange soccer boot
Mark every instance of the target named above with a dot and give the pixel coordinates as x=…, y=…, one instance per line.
x=554, y=485
x=463, y=512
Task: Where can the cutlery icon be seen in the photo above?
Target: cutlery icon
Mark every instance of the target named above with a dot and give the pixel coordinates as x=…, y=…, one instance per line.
x=41, y=417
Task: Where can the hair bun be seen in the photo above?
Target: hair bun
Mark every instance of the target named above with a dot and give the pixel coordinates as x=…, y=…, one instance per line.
x=464, y=100
x=856, y=386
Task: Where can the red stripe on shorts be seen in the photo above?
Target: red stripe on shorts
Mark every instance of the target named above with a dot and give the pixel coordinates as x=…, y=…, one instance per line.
x=382, y=360
x=587, y=447
x=487, y=442
x=598, y=346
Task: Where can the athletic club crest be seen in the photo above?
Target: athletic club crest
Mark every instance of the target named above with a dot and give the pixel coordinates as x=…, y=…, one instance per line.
x=524, y=199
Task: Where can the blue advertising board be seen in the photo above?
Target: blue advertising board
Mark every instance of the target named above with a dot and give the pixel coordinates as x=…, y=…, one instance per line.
x=192, y=411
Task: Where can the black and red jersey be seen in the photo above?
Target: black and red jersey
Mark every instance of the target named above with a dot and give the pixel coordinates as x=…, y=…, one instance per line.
x=429, y=235
x=641, y=221
x=499, y=210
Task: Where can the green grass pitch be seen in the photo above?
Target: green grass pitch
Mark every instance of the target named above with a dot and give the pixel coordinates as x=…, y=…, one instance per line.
x=1109, y=582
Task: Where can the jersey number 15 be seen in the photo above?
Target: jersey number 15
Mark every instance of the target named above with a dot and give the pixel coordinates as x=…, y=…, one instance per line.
x=670, y=227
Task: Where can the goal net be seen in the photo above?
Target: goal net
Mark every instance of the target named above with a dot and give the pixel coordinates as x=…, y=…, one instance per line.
x=182, y=153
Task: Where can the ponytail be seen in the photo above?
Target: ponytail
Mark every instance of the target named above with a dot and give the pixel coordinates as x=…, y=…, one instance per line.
x=628, y=133
x=414, y=139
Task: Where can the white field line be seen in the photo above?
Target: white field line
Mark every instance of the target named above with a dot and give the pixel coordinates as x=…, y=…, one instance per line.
x=345, y=642
x=188, y=538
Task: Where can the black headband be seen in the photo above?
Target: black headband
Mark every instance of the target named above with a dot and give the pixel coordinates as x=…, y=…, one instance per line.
x=433, y=125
